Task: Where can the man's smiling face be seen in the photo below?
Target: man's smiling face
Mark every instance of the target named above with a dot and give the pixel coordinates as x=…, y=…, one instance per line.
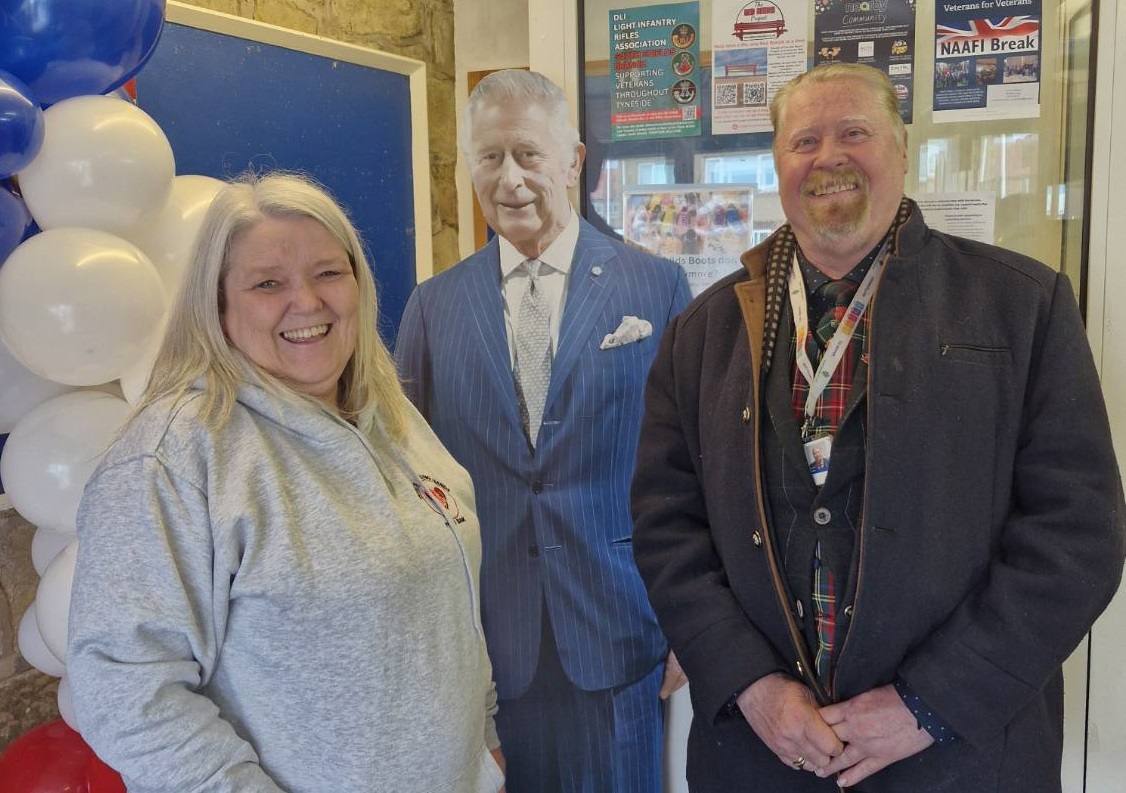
x=841, y=165
x=521, y=171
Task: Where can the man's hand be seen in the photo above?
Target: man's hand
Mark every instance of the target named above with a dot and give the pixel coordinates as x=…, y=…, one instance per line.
x=674, y=676
x=783, y=713
x=878, y=730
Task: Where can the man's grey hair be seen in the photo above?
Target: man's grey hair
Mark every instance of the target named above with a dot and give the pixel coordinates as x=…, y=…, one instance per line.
x=524, y=87
x=871, y=78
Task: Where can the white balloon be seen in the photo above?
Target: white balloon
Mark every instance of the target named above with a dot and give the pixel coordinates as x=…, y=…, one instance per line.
x=52, y=601
x=66, y=704
x=78, y=306
x=46, y=544
x=169, y=237
x=104, y=164
x=135, y=380
x=21, y=389
x=54, y=450
x=32, y=648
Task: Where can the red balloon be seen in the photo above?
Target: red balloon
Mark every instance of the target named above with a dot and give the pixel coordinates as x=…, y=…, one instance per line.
x=100, y=778
x=53, y=758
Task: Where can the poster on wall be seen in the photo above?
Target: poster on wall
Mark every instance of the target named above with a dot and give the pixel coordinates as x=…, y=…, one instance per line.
x=703, y=228
x=879, y=33
x=655, y=72
x=757, y=47
x=968, y=214
x=987, y=66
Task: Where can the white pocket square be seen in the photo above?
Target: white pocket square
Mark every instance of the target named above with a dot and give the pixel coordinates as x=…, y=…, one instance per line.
x=632, y=329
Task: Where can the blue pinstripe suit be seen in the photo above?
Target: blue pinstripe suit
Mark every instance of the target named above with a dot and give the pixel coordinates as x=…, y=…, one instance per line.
x=555, y=521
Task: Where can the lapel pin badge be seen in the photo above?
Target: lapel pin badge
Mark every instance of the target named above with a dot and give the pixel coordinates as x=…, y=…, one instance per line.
x=596, y=271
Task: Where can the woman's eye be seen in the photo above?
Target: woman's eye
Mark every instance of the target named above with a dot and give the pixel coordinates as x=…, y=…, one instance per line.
x=269, y=283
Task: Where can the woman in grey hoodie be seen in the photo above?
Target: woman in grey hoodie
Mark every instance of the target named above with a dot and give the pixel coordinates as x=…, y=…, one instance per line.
x=277, y=580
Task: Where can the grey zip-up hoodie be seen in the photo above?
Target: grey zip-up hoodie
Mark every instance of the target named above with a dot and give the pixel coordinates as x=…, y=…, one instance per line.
x=283, y=604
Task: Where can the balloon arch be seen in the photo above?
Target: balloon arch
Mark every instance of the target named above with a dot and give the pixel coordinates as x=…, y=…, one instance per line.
x=95, y=230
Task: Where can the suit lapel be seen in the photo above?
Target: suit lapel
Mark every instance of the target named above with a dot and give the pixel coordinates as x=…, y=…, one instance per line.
x=592, y=280
x=485, y=313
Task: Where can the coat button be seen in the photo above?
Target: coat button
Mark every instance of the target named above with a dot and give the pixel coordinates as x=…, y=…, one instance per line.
x=800, y=668
x=533, y=551
x=537, y=487
x=747, y=415
x=800, y=609
x=821, y=516
x=756, y=538
x=848, y=611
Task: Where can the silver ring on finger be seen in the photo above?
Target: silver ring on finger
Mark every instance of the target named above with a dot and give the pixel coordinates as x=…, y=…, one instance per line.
x=799, y=764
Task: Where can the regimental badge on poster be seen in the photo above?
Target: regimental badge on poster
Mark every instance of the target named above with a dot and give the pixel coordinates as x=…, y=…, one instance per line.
x=987, y=66
x=757, y=47
x=655, y=72
x=703, y=228
x=879, y=33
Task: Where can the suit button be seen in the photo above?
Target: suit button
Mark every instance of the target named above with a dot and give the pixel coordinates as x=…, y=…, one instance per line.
x=822, y=516
x=747, y=415
x=537, y=487
x=756, y=538
x=799, y=609
x=533, y=551
x=848, y=611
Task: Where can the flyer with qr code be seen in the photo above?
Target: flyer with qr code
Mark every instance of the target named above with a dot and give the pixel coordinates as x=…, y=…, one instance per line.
x=877, y=33
x=655, y=72
x=757, y=47
x=987, y=66
x=703, y=228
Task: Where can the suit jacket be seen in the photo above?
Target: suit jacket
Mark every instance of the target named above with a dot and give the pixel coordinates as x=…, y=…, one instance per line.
x=992, y=524
x=555, y=522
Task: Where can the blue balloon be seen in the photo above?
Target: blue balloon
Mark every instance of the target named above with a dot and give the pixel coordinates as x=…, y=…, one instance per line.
x=21, y=126
x=16, y=223
x=65, y=48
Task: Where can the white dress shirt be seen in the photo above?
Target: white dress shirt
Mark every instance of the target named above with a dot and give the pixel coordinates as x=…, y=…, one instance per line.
x=554, y=275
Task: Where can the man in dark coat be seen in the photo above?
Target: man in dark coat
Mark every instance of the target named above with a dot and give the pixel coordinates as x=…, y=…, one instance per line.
x=899, y=622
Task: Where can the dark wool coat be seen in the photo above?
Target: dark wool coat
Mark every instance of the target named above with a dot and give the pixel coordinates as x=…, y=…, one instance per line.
x=991, y=533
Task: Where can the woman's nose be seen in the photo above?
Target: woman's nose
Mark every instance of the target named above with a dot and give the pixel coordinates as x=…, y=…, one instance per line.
x=305, y=296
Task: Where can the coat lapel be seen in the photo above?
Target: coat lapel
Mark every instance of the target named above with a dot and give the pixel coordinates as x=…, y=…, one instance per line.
x=592, y=279
x=485, y=314
x=779, y=394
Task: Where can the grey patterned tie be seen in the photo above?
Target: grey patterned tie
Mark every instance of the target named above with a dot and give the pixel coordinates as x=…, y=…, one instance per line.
x=533, y=351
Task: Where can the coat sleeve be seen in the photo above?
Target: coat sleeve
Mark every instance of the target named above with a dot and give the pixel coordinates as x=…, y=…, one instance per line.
x=1060, y=552
x=146, y=626
x=718, y=647
x=412, y=355
x=682, y=296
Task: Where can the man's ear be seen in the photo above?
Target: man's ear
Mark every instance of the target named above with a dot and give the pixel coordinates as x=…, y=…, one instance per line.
x=577, y=165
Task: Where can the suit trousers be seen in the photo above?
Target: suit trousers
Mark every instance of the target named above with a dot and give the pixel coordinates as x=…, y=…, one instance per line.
x=558, y=738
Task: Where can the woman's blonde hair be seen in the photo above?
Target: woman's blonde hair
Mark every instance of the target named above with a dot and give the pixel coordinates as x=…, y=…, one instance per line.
x=195, y=346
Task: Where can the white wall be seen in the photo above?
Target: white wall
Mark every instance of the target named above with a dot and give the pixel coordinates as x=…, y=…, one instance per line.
x=1106, y=322
x=488, y=34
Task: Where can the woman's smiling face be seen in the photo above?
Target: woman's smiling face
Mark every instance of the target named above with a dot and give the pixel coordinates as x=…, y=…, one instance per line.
x=290, y=302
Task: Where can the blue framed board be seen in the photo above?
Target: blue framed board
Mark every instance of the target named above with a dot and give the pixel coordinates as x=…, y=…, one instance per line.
x=231, y=93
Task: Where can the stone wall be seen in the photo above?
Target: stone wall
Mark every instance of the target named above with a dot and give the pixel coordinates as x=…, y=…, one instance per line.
x=421, y=29
x=27, y=698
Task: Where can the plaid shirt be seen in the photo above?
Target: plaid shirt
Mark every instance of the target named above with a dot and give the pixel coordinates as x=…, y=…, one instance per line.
x=828, y=415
